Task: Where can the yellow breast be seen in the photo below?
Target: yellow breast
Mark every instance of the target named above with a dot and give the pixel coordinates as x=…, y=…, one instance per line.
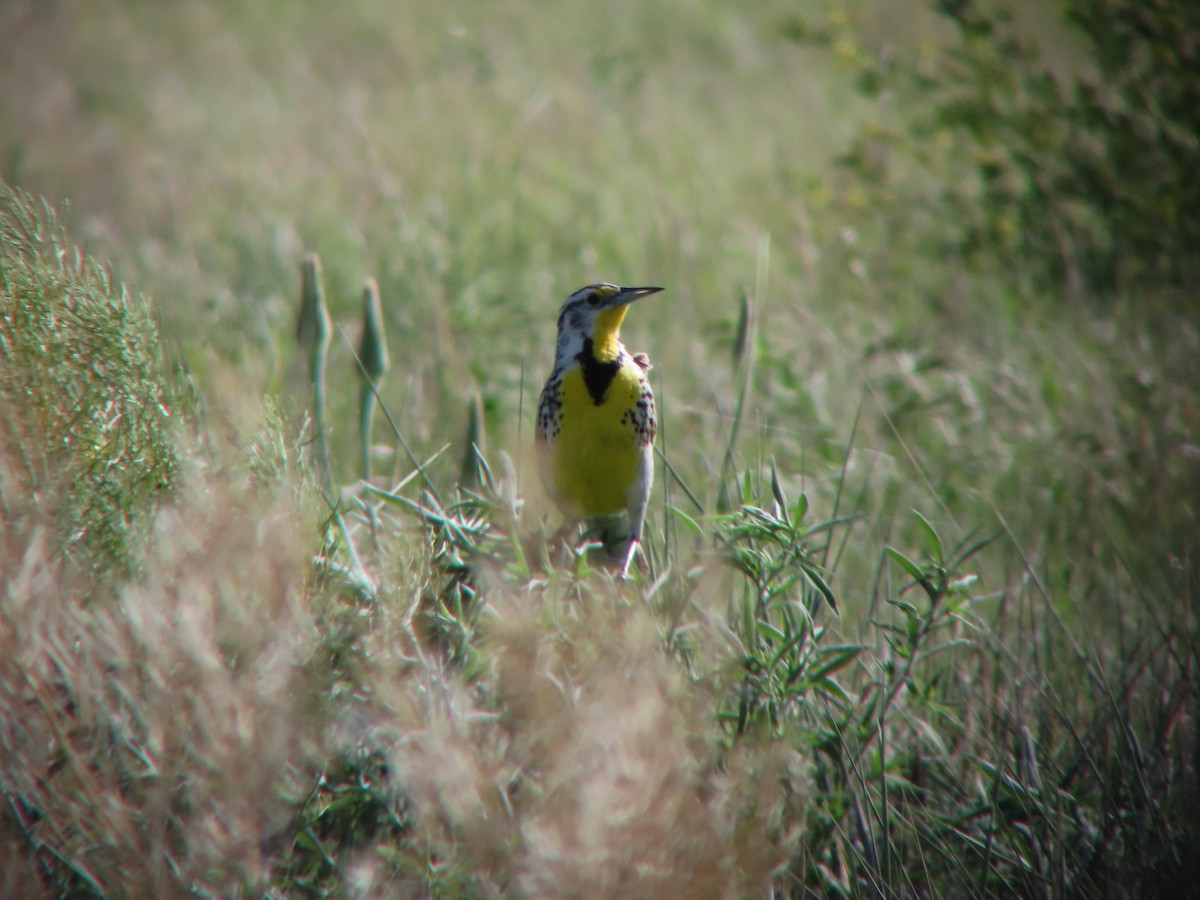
x=599, y=452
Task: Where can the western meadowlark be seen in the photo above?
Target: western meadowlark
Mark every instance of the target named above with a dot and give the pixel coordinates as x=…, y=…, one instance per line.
x=595, y=419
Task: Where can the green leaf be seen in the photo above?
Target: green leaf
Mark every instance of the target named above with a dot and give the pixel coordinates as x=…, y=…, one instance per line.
x=903, y=605
x=831, y=659
x=965, y=554
x=931, y=538
x=948, y=645
x=820, y=584
x=787, y=647
x=831, y=524
x=770, y=631
x=905, y=563
x=963, y=582
x=687, y=520
x=832, y=689
x=777, y=491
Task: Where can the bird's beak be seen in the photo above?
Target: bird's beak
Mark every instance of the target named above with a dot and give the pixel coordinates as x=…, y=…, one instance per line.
x=629, y=294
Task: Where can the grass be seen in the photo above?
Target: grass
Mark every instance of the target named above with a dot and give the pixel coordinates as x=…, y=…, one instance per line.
x=918, y=614
x=86, y=410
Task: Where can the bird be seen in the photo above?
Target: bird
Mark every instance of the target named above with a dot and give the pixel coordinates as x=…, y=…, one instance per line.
x=596, y=421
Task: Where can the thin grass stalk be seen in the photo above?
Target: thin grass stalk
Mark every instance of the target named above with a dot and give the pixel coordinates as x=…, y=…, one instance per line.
x=313, y=332
x=366, y=419
x=743, y=363
x=372, y=365
x=469, y=470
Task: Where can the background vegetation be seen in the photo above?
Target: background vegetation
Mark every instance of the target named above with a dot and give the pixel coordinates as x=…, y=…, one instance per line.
x=920, y=609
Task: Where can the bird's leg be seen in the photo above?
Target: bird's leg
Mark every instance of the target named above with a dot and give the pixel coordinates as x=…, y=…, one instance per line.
x=630, y=550
x=637, y=519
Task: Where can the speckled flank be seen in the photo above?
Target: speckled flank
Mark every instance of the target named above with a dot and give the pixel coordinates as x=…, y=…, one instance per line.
x=641, y=417
x=549, y=415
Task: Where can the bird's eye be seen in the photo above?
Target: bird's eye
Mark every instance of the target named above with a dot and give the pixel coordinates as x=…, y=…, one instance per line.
x=593, y=300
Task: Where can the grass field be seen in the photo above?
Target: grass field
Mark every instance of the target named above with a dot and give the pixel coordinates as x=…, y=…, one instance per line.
x=919, y=612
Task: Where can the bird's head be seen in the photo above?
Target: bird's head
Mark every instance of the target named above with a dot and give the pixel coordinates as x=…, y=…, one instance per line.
x=596, y=312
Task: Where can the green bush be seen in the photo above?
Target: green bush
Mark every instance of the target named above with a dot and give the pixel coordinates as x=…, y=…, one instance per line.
x=86, y=409
x=1081, y=172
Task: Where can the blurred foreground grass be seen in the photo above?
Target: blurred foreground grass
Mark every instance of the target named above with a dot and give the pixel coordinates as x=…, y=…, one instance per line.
x=945, y=305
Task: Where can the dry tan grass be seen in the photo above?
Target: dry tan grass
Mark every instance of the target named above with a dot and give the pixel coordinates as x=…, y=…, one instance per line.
x=156, y=737
x=635, y=796
x=584, y=764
